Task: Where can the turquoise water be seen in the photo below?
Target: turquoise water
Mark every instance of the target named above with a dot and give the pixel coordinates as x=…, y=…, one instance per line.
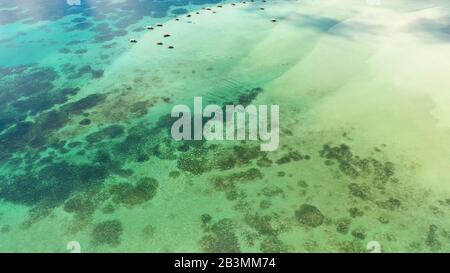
x=86, y=153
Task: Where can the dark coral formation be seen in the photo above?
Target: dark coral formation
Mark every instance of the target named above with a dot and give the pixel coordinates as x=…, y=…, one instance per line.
x=390, y=204
x=206, y=219
x=84, y=103
x=74, y=72
x=52, y=184
x=228, y=183
x=207, y=158
x=290, y=156
x=354, y=166
x=60, y=178
x=272, y=244
x=221, y=238
x=272, y=191
x=129, y=194
x=359, y=191
x=85, y=121
x=264, y=224
x=107, y=233
x=28, y=89
x=309, y=216
x=432, y=240
x=355, y=212
x=358, y=234
x=265, y=204
x=81, y=205
x=109, y=147
x=246, y=98
x=343, y=225
x=194, y=162
x=264, y=162
x=109, y=132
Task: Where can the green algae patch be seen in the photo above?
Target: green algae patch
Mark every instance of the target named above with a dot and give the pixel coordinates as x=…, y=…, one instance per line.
x=309, y=215
x=107, y=233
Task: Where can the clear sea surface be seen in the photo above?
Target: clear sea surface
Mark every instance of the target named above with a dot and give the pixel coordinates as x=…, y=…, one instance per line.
x=86, y=153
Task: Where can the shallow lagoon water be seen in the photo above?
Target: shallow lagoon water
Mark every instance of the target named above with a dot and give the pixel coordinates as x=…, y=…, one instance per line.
x=86, y=154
